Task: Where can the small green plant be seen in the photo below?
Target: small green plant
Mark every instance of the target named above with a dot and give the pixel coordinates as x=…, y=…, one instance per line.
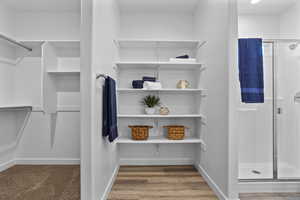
x=151, y=101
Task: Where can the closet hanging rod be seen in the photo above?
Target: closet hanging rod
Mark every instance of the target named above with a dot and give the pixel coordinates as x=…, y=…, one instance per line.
x=15, y=42
x=101, y=76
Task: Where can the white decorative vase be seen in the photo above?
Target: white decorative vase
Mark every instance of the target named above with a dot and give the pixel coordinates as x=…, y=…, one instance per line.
x=150, y=111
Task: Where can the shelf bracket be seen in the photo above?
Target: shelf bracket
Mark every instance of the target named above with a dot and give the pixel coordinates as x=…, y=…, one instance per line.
x=201, y=44
x=20, y=131
x=53, y=121
x=157, y=149
x=116, y=43
x=203, y=146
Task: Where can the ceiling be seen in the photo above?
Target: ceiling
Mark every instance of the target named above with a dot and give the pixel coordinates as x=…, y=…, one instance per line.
x=158, y=5
x=265, y=7
x=43, y=5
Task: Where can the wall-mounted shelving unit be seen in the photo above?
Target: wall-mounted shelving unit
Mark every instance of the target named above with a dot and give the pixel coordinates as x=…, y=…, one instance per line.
x=61, y=79
x=162, y=116
x=59, y=62
x=173, y=65
x=61, y=75
x=161, y=90
x=160, y=140
x=158, y=43
x=141, y=57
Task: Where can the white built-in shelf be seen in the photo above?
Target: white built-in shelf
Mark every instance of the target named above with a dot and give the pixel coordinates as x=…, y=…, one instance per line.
x=66, y=108
x=15, y=107
x=153, y=43
x=63, y=72
x=171, y=65
x=162, y=116
x=159, y=140
x=161, y=90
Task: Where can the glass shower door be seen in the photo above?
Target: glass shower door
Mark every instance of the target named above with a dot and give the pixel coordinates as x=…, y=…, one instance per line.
x=255, y=127
x=288, y=110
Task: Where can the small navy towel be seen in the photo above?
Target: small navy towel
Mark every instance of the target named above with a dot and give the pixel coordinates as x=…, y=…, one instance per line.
x=110, y=127
x=251, y=70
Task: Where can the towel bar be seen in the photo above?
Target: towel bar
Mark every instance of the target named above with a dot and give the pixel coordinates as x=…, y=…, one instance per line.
x=101, y=76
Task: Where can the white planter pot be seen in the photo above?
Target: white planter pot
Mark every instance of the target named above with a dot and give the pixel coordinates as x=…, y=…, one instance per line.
x=150, y=111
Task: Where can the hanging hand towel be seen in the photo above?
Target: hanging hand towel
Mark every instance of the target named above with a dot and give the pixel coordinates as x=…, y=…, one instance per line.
x=251, y=70
x=110, y=127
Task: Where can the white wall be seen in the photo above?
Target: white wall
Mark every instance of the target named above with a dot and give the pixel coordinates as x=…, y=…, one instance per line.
x=7, y=20
x=290, y=22
x=212, y=25
x=47, y=26
x=104, y=154
x=259, y=26
x=167, y=25
x=7, y=119
x=7, y=27
x=86, y=100
x=233, y=190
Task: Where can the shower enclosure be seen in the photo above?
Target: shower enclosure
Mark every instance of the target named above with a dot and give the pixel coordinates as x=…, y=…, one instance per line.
x=269, y=133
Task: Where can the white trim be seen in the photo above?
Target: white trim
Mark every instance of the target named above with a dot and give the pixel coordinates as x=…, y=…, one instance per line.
x=65, y=108
x=212, y=184
x=47, y=161
x=39, y=161
x=6, y=165
x=156, y=161
x=263, y=187
x=110, y=183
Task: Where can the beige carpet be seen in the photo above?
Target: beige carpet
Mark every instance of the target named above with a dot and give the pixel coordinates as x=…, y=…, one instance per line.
x=40, y=183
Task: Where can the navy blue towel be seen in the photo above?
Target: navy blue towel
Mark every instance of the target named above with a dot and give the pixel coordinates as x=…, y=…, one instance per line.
x=110, y=127
x=251, y=70
x=148, y=78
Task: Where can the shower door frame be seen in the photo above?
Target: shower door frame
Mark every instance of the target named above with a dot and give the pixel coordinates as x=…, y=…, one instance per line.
x=275, y=112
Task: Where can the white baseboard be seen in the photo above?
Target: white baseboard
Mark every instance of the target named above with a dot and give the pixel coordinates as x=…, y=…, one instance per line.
x=47, y=161
x=111, y=183
x=38, y=161
x=212, y=184
x=157, y=161
x=263, y=187
x=6, y=165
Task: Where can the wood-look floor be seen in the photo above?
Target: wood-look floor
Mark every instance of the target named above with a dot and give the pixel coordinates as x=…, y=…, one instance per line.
x=160, y=182
x=270, y=196
x=173, y=183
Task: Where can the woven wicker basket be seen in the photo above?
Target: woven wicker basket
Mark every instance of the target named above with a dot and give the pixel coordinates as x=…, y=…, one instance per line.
x=175, y=132
x=140, y=132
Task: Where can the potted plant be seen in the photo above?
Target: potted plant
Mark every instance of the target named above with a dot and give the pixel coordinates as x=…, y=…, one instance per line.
x=150, y=102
